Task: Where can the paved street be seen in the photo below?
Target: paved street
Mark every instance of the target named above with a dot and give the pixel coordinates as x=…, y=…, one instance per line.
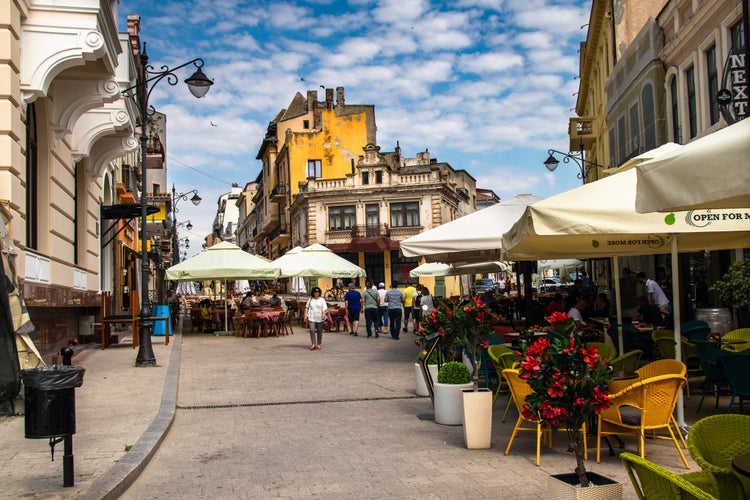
x=268, y=418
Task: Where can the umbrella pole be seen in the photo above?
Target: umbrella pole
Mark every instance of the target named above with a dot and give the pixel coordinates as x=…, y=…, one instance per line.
x=616, y=270
x=676, y=319
x=226, y=300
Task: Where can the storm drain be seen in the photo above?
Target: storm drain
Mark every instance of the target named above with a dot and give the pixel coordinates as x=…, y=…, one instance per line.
x=286, y=403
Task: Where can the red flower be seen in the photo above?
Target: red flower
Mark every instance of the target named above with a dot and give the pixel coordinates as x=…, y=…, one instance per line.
x=557, y=317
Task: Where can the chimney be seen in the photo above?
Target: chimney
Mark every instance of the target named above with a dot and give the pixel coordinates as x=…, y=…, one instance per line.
x=312, y=97
x=340, y=97
x=329, y=98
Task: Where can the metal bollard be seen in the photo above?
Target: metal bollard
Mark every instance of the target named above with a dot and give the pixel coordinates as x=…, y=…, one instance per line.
x=68, y=467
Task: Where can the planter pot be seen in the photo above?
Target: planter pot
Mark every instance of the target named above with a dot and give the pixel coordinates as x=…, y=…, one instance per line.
x=448, y=406
x=477, y=418
x=421, y=382
x=563, y=487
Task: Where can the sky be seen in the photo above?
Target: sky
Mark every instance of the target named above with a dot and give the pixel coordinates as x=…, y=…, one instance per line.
x=487, y=86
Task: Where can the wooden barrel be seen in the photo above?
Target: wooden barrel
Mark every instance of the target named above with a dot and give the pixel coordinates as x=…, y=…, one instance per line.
x=719, y=318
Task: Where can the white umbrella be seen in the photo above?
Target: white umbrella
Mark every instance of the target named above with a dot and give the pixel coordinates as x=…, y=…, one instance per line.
x=186, y=288
x=599, y=220
x=544, y=265
x=476, y=237
x=710, y=172
x=442, y=269
x=222, y=261
x=316, y=260
x=241, y=286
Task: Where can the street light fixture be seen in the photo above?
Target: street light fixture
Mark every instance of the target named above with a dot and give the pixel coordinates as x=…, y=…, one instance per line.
x=176, y=198
x=582, y=163
x=198, y=84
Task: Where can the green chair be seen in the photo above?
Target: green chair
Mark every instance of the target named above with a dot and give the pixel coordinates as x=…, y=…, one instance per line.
x=628, y=362
x=713, y=442
x=736, y=368
x=502, y=357
x=606, y=351
x=665, y=345
x=740, y=334
x=653, y=482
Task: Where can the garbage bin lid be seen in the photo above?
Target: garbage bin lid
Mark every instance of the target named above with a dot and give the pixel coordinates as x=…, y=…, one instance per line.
x=53, y=377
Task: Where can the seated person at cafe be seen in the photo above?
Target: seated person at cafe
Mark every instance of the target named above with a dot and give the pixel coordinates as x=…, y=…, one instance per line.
x=207, y=315
x=574, y=293
x=648, y=313
x=587, y=332
x=248, y=301
x=275, y=300
x=602, y=305
x=556, y=305
x=490, y=300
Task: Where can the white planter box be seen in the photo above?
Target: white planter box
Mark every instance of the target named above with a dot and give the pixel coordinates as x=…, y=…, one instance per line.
x=477, y=418
x=421, y=382
x=448, y=405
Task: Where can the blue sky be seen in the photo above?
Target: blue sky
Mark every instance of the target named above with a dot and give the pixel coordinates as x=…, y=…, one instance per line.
x=485, y=85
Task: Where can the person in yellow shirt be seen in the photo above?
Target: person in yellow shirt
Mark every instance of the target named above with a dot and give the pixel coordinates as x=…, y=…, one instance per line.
x=409, y=291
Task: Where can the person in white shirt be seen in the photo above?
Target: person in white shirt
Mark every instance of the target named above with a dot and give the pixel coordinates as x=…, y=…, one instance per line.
x=315, y=312
x=654, y=293
x=383, y=309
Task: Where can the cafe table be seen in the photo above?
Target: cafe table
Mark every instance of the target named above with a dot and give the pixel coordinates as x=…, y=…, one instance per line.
x=741, y=464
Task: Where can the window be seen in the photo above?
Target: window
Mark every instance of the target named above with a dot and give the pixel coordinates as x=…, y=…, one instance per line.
x=305, y=124
x=405, y=214
x=314, y=169
x=155, y=188
x=365, y=178
x=372, y=217
x=674, y=104
x=692, y=104
x=713, y=84
x=621, y=141
x=378, y=177
x=342, y=217
x=649, y=117
x=737, y=33
x=32, y=178
x=612, y=147
x=635, y=131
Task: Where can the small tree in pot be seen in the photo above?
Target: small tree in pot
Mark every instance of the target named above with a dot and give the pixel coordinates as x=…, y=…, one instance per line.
x=472, y=325
x=569, y=382
x=734, y=287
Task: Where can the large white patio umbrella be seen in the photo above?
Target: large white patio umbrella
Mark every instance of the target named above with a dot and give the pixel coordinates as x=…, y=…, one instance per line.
x=316, y=260
x=442, y=269
x=476, y=237
x=223, y=261
x=710, y=172
x=599, y=220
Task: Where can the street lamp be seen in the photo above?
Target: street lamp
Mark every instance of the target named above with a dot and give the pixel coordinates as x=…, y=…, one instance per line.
x=199, y=85
x=583, y=164
x=176, y=198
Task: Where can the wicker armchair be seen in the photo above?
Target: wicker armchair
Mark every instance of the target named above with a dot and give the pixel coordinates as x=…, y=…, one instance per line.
x=502, y=357
x=740, y=334
x=713, y=442
x=651, y=481
x=641, y=408
x=628, y=362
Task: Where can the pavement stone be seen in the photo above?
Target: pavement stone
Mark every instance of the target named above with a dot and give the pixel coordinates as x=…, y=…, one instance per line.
x=228, y=417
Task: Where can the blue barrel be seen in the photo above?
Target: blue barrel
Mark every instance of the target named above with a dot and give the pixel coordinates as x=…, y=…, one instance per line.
x=160, y=327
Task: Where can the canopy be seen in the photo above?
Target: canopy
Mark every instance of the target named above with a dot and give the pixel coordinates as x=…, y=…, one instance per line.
x=599, y=220
x=316, y=260
x=442, y=269
x=669, y=147
x=476, y=237
x=543, y=265
x=222, y=261
x=710, y=172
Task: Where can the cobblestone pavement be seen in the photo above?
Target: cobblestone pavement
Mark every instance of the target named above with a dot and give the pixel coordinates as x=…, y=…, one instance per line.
x=268, y=418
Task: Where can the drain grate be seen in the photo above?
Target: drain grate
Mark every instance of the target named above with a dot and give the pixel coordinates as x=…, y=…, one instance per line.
x=286, y=403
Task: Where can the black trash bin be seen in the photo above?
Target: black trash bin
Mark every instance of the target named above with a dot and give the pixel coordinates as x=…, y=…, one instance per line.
x=49, y=396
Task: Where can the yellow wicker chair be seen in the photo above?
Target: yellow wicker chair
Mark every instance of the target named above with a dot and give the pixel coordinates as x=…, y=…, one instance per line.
x=643, y=407
x=502, y=357
x=519, y=389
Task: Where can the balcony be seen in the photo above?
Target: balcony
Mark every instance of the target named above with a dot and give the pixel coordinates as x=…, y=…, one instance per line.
x=581, y=132
x=270, y=223
x=279, y=236
x=278, y=193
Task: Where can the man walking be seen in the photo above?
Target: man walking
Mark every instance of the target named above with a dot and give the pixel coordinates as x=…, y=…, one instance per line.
x=372, y=312
x=409, y=292
x=383, y=323
x=353, y=302
x=395, y=299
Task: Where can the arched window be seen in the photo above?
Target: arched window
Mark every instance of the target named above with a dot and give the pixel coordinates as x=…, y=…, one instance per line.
x=674, y=105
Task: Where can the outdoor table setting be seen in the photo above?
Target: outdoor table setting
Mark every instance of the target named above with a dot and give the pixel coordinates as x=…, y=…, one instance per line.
x=519, y=338
x=741, y=463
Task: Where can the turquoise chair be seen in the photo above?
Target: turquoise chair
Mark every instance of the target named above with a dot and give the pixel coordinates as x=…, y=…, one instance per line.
x=736, y=368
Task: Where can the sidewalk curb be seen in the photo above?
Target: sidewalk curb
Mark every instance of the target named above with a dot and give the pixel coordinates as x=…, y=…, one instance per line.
x=118, y=478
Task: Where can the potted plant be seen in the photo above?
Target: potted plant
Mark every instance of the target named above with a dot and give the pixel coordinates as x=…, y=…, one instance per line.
x=570, y=386
x=734, y=288
x=452, y=377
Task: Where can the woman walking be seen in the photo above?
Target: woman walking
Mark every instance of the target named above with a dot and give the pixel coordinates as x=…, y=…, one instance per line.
x=315, y=312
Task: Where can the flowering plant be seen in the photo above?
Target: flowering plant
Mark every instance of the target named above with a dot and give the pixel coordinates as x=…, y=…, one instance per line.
x=472, y=326
x=439, y=322
x=569, y=382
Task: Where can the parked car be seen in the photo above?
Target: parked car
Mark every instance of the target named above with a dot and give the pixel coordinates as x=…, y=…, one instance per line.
x=550, y=285
x=483, y=285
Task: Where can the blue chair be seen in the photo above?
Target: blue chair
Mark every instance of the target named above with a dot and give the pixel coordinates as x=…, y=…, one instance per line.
x=709, y=357
x=695, y=330
x=631, y=339
x=736, y=368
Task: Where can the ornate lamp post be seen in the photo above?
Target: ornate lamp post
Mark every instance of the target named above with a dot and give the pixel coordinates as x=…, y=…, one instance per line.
x=199, y=85
x=176, y=198
x=582, y=163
